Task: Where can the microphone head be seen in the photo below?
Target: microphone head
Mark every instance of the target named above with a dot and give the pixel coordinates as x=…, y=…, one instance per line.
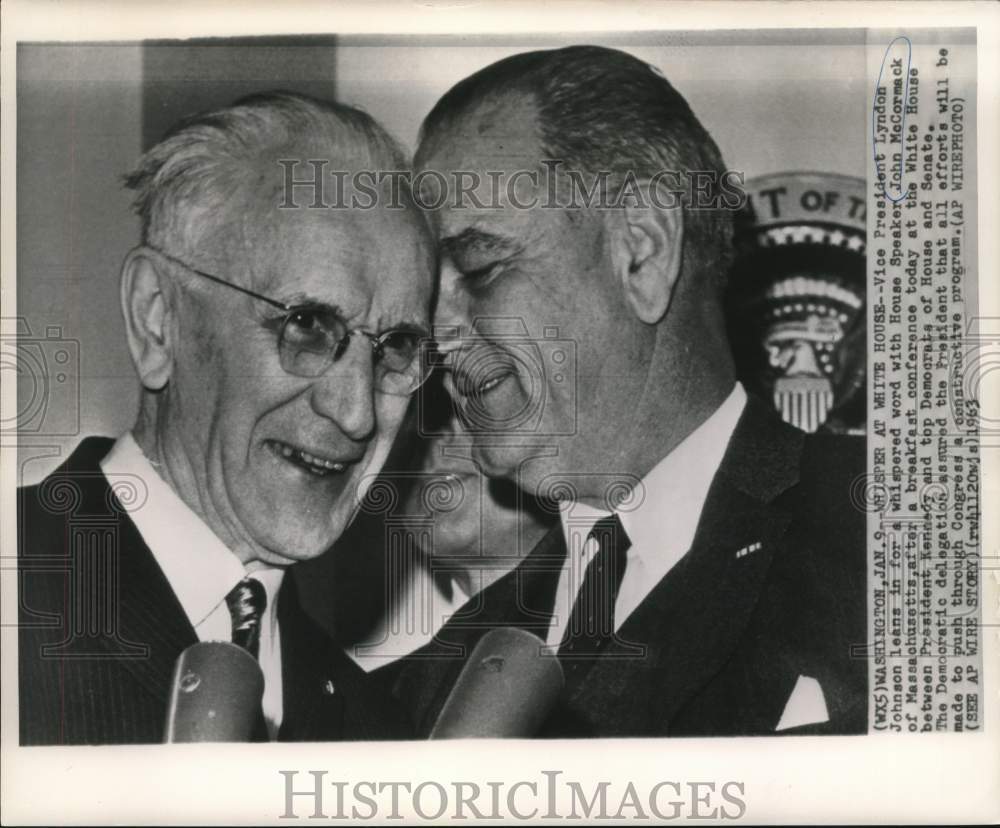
x=505, y=690
x=215, y=695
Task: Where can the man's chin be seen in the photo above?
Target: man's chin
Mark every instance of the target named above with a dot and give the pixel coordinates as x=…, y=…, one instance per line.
x=284, y=542
x=284, y=550
x=492, y=460
x=298, y=515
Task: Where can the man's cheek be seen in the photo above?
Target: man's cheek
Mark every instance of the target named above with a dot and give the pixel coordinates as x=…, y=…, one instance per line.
x=197, y=334
x=389, y=413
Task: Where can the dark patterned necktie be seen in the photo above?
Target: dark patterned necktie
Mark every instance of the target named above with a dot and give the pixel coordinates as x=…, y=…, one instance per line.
x=247, y=601
x=592, y=621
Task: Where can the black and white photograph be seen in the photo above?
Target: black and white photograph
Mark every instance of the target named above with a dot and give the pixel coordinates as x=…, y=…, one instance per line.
x=500, y=410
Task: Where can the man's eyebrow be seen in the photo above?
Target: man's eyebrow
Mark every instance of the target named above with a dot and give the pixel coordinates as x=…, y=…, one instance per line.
x=473, y=240
x=411, y=326
x=305, y=300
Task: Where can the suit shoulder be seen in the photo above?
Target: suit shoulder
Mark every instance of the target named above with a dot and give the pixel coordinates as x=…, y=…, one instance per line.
x=834, y=455
x=829, y=530
x=76, y=487
x=41, y=540
x=832, y=473
x=29, y=501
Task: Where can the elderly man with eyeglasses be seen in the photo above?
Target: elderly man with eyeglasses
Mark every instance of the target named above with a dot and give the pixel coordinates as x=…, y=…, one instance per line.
x=277, y=346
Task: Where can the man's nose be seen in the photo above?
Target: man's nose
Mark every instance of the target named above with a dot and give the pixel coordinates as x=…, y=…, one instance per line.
x=345, y=394
x=452, y=316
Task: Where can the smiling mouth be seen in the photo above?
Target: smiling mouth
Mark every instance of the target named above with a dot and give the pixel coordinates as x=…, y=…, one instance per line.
x=312, y=463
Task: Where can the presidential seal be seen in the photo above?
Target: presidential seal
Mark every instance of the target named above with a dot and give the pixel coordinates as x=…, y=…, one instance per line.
x=796, y=298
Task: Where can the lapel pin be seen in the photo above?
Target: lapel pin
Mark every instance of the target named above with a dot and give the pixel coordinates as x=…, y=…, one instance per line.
x=328, y=688
x=746, y=550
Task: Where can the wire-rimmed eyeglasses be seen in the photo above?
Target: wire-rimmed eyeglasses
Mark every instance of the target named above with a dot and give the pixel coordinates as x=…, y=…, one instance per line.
x=311, y=337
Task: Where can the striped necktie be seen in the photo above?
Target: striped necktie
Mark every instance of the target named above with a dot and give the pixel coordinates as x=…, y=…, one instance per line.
x=246, y=602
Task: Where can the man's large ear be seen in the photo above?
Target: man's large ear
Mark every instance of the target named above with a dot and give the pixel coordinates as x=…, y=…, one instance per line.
x=146, y=299
x=649, y=263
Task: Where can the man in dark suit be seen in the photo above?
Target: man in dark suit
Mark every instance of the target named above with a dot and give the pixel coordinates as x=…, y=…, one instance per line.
x=707, y=577
x=277, y=347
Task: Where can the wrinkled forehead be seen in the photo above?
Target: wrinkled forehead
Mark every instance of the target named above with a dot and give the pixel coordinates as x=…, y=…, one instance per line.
x=501, y=133
x=374, y=264
x=481, y=165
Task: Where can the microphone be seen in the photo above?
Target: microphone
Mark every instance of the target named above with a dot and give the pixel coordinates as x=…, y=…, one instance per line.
x=505, y=690
x=215, y=695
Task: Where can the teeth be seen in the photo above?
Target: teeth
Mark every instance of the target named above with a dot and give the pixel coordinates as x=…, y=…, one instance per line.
x=317, y=465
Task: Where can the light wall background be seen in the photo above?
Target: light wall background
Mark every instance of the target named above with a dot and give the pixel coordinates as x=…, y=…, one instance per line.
x=85, y=112
x=79, y=123
x=769, y=109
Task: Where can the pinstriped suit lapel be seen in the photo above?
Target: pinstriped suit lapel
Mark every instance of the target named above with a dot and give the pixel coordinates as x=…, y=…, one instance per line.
x=150, y=614
x=117, y=586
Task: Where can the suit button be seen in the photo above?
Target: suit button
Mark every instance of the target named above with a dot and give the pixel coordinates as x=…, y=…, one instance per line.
x=328, y=688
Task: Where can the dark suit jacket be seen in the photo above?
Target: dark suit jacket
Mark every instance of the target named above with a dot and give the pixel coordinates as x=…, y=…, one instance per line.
x=100, y=629
x=723, y=638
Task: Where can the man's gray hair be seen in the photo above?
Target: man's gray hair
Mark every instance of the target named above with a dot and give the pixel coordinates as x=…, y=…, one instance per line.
x=185, y=183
